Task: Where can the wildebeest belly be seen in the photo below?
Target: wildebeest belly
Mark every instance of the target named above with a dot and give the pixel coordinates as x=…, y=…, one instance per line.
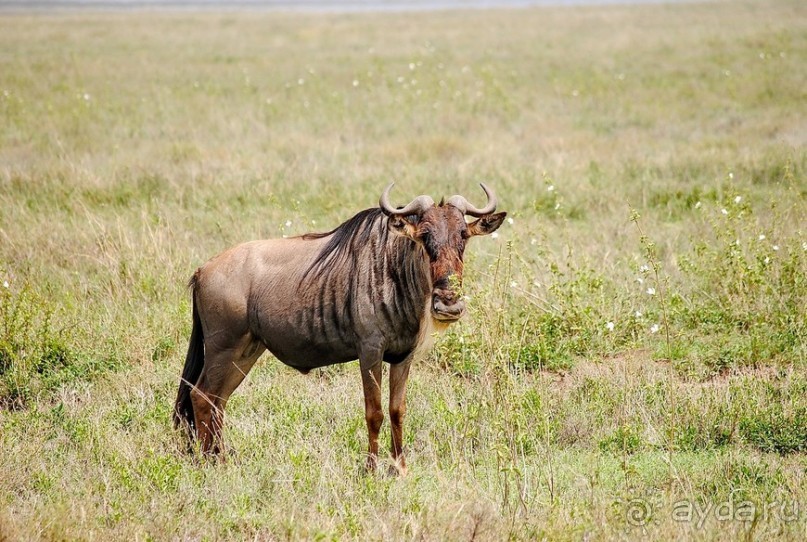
x=305, y=355
x=320, y=327
x=311, y=348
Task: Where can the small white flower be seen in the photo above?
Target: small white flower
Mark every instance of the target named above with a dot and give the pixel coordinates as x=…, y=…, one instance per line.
x=698, y=205
x=654, y=328
x=550, y=188
x=767, y=260
x=761, y=236
x=651, y=291
x=644, y=268
x=557, y=206
x=513, y=284
x=5, y=284
x=738, y=199
x=510, y=221
x=355, y=82
x=725, y=212
x=775, y=247
x=86, y=97
x=640, y=280
x=288, y=223
x=494, y=235
x=804, y=245
x=301, y=81
x=610, y=326
x=731, y=175
x=533, y=241
x=638, y=314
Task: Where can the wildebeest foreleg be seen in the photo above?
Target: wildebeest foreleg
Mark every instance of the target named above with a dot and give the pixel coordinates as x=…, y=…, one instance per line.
x=398, y=375
x=371, y=382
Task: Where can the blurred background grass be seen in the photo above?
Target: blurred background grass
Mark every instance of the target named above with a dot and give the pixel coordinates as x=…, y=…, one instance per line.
x=135, y=146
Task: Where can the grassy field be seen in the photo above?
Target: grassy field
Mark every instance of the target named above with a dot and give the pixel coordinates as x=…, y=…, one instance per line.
x=634, y=360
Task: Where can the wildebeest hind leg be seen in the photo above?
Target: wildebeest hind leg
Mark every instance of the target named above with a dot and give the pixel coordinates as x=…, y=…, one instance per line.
x=224, y=370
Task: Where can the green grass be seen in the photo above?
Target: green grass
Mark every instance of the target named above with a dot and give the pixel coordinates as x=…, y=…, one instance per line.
x=637, y=149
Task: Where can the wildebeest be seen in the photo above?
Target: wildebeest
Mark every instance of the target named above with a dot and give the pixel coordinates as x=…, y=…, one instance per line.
x=374, y=289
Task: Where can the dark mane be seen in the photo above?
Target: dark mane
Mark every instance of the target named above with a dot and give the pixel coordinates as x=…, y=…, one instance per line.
x=355, y=231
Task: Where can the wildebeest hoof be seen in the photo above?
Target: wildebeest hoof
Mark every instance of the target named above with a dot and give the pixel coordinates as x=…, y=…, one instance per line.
x=397, y=470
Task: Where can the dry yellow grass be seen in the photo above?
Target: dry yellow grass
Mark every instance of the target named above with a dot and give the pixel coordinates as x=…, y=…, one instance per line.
x=135, y=146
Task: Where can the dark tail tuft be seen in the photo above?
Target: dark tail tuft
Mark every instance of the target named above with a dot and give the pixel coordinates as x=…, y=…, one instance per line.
x=194, y=362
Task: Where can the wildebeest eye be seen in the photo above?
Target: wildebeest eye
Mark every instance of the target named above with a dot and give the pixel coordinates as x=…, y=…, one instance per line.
x=398, y=223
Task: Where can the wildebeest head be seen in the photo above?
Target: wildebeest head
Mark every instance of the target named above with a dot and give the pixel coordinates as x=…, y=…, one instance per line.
x=442, y=231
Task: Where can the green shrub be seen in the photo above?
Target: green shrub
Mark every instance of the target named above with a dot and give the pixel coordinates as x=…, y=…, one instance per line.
x=774, y=429
x=625, y=439
x=36, y=356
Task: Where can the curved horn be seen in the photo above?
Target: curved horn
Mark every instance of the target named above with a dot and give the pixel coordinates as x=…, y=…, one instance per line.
x=462, y=204
x=459, y=202
x=416, y=206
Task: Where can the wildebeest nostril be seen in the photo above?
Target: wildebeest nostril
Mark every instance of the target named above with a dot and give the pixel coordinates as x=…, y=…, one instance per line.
x=448, y=307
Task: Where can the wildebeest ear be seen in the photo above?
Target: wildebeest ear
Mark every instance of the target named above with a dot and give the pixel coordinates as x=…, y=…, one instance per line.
x=485, y=225
x=403, y=226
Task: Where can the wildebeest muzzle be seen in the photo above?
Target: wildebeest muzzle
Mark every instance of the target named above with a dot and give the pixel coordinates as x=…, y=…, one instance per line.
x=447, y=306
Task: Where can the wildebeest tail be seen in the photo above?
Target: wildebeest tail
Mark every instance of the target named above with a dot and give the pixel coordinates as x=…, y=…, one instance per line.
x=194, y=362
